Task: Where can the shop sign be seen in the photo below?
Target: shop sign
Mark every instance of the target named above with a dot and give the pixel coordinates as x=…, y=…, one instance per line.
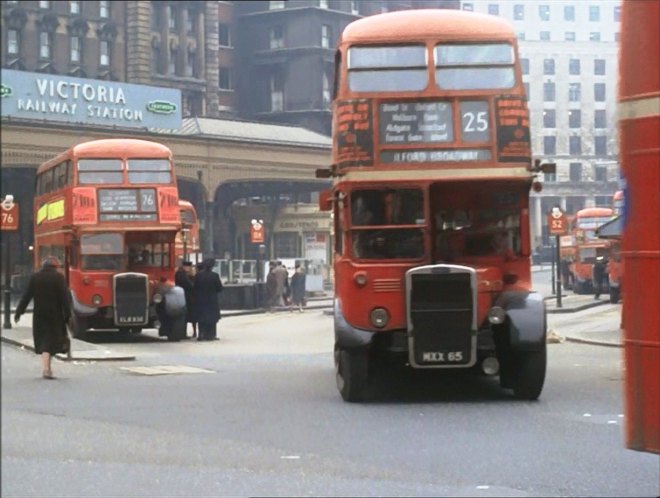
x=54, y=97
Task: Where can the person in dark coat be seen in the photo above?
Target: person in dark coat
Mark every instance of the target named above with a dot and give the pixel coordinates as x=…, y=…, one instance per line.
x=207, y=287
x=271, y=286
x=298, y=287
x=52, y=310
x=599, y=272
x=184, y=279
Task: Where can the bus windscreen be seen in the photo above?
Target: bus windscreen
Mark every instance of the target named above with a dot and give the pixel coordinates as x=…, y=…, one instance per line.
x=387, y=69
x=465, y=67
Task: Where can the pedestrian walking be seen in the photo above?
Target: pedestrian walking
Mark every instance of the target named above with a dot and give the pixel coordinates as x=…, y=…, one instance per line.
x=599, y=272
x=271, y=286
x=52, y=311
x=184, y=278
x=207, y=287
x=298, y=288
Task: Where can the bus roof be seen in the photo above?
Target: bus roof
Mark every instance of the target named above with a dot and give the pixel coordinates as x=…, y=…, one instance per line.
x=422, y=24
x=112, y=147
x=594, y=211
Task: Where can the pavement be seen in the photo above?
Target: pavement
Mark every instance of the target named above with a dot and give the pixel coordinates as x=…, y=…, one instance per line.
x=21, y=334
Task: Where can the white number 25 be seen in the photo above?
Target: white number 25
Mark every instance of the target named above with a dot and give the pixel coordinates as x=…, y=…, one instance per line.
x=475, y=121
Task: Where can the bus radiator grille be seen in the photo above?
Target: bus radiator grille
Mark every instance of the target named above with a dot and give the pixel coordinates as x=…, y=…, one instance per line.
x=131, y=294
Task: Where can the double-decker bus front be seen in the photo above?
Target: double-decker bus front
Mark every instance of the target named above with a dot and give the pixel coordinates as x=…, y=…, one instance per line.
x=124, y=218
x=431, y=160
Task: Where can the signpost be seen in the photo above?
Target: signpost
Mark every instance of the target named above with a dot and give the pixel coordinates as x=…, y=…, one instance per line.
x=10, y=218
x=557, y=226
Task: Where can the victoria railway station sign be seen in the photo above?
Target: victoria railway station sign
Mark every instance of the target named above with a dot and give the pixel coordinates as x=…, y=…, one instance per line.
x=53, y=97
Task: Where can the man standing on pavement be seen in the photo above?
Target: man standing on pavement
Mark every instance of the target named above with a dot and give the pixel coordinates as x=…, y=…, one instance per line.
x=184, y=279
x=207, y=287
x=282, y=279
x=599, y=272
x=298, y=287
x=271, y=286
x=52, y=311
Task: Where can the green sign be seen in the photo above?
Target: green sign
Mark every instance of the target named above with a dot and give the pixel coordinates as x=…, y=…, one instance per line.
x=161, y=107
x=5, y=91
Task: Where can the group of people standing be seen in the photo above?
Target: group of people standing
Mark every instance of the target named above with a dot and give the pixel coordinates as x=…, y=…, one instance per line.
x=201, y=289
x=280, y=292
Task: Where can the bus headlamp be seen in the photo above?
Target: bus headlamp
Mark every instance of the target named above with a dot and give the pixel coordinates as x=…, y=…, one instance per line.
x=97, y=299
x=379, y=317
x=158, y=298
x=496, y=315
x=360, y=278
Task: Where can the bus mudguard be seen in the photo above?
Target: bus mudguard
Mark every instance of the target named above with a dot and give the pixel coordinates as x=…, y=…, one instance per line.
x=527, y=319
x=347, y=336
x=81, y=309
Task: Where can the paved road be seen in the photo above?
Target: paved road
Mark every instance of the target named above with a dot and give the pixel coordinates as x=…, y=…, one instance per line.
x=267, y=420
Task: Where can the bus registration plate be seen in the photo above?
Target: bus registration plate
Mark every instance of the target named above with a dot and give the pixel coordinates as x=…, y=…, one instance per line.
x=443, y=356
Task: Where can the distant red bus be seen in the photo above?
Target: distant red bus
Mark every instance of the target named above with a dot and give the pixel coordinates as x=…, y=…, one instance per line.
x=432, y=173
x=109, y=209
x=187, y=244
x=588, y=246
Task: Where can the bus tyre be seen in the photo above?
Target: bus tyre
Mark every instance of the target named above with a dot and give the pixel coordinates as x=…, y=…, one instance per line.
x=78, y=327
x=529, y=374
x=615, y=295
x=351, y=374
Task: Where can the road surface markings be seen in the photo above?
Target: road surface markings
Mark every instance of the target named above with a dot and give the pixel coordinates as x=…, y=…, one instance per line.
x=290, y=457
x=166, y=370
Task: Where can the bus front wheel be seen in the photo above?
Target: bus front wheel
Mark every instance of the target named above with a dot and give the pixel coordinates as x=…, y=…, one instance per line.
x=78, y=327
x=351, y=374
x=528, y=373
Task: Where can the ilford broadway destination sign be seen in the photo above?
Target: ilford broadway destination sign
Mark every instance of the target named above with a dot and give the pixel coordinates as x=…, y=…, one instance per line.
x=52, y=97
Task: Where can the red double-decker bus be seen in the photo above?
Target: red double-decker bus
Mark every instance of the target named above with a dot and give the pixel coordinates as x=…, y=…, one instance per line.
x=432, y=173
x=588, y=246
x=109, y=209
x=187, y=246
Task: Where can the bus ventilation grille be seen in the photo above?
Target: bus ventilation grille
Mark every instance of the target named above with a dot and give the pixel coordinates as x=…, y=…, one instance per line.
x=387, y=285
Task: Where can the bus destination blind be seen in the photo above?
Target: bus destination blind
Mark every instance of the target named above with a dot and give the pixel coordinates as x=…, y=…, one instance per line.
x=127, y=205
x=415, y=122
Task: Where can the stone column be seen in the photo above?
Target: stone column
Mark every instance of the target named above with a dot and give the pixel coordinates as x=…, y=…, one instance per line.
x=210, y=229
x=212, y=66
x=562, y=201
x=138, y=41
x=165, y=39
x=201, y=44
x=538, y=220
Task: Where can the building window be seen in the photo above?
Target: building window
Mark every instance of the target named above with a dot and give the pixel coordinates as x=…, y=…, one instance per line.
x=574, y=118
x=224, y=35
x=323, y=4
x=575, y=171
x=493, y=9
x=599, y=92
x=594, y=36
x=617, y=13
x=156, y=14
x=594, y=13
x=549, y=118
x=44, y=4
x=225, y=78
x=521, y=35
x=171, y=18
x=104, y=9
x=276, y=37
x=174, y=55
x=550, y=145
x=569, y=36
x=518, y=12
x=326, y=38
x=574, y=66
x=12, y=42
x=548, y=66
x=469, y=7
x=600, y=173
x=327, y=99
x=276, y=93
x=549, y=92
x=286, y=244
x=188, y=15
x=600, y=146
x=524, y=66
x=190, y=64
x=104, y=53
x=44, y=45
x=599, y=67
x=155, y=60
x=544, y=12
x=575, y=145
x=354, y=8
x=544, y=36
x=569, y=13
x=600, y=118
x=76, y=49
x=274, y=4
x=549, y=177
x=574, y=92
x=74, y=7
x=526, y=85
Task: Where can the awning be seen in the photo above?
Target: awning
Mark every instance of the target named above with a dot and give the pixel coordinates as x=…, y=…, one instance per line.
x=613, y=229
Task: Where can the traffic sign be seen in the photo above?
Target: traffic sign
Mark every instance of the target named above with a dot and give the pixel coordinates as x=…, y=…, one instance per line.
x=257, y=232
x=557, y=222
x=9, y=215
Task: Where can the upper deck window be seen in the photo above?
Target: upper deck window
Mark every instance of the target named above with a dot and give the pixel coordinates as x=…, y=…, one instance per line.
x=149, y=171
x=391, y=68
x=474, y=66
x=104, y=171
